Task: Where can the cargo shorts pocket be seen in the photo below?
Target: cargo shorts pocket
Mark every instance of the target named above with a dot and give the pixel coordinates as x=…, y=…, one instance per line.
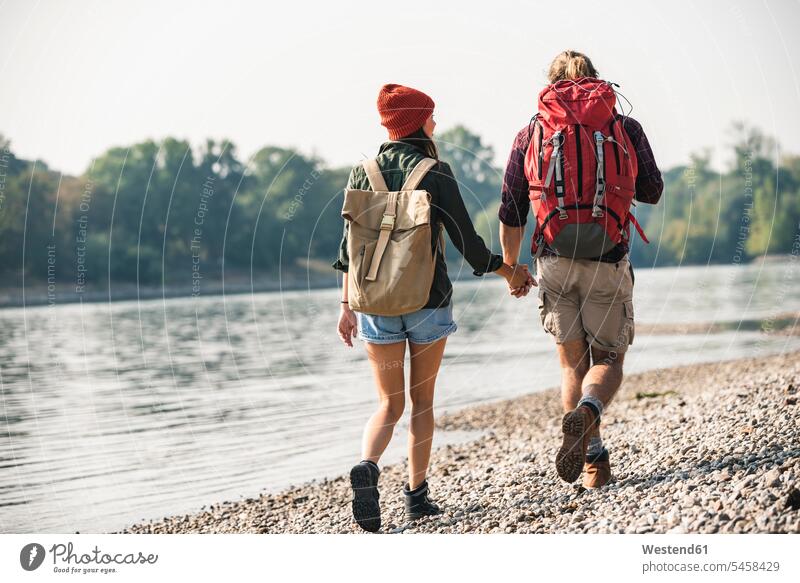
x=545, y=313
x=629, y=325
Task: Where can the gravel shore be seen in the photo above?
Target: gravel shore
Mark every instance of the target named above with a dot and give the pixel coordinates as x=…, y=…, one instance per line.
x=701, y=449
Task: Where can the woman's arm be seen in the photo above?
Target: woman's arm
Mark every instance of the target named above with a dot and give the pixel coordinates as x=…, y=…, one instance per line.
x=342, y=262
x=348, y=325
x=462, y=233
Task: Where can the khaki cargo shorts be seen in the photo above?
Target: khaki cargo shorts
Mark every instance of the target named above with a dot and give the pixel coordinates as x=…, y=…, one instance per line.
x=581, y=298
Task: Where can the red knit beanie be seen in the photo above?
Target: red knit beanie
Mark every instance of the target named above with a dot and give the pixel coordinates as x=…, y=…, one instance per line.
x=403, y=109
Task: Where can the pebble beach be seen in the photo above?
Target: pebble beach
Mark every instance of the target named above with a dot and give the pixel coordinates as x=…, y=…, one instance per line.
x=710, y=448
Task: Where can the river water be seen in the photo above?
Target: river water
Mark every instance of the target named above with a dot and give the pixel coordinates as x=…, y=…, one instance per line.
x=114, y=413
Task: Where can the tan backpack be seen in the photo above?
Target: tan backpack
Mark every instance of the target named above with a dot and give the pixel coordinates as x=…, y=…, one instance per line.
x=389, y=244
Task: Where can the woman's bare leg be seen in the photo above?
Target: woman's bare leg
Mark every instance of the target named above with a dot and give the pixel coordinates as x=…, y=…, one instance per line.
x=387, y=362
x=425, y=361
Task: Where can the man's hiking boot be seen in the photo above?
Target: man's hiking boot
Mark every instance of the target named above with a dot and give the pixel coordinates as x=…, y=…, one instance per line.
x=366, y=507
x=417, y=502
x=597, y=470
x=577, y=429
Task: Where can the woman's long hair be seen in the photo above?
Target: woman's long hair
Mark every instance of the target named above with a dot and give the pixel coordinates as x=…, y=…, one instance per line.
x=421, y=140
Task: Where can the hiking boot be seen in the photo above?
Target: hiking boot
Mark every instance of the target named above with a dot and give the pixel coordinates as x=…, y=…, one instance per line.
x=577, y=428
x=597, y=470
x=366, y=508
x=417, y=502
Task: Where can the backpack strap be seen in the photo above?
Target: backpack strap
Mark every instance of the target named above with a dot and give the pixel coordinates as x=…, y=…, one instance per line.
x=418, y=173
x=387, y=226
x=387, y=222
x=557, y=167
x=376, y=181
x=639, y=229
x=541, y=144
x=600, y=177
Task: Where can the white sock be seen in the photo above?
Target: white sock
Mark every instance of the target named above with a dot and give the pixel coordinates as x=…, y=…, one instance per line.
x=593, y=402
x=595, y=446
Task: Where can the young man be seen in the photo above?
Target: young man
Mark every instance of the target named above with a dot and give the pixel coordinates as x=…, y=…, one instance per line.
x=586, y=303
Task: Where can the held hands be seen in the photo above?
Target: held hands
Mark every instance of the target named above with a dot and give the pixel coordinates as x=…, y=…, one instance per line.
x=348, y=326
x=521, y=281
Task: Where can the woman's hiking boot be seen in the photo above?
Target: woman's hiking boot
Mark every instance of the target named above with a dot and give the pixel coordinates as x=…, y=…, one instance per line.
x=597, y=470
x=577, y=429
x=366, y=506
x=417, y=502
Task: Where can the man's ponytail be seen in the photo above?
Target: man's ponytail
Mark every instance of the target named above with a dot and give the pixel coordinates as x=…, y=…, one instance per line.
x=570, y=65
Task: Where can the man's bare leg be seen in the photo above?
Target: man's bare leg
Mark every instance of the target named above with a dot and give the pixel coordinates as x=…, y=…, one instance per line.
x=603, y=379
x=573, y=356
x=600, y=383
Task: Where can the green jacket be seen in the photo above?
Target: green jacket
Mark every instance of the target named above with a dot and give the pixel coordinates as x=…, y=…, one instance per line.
x=397, y=159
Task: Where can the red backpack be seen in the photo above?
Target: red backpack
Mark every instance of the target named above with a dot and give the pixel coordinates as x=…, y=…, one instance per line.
x=581, y=168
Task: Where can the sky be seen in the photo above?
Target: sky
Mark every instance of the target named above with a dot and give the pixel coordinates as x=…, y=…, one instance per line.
x=81, y=76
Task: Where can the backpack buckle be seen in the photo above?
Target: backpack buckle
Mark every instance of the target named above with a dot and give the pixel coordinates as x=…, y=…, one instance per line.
x=562, y=214
x=387, y=223
x=597, y=212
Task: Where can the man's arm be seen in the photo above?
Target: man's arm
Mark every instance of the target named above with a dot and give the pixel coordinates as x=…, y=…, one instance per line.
x=515, y=204
x=649, y=183
x=514, y=208
x=511, y=241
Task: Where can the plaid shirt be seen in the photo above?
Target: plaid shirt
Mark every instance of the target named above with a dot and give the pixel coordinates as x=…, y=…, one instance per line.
x=515, y=205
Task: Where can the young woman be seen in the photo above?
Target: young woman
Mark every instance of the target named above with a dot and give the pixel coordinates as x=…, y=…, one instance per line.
x=407, y=114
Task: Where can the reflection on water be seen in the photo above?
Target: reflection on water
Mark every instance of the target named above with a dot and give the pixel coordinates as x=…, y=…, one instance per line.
x=115, y=413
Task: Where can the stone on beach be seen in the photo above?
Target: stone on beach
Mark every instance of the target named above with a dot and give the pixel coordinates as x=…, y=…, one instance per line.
x=716, y=450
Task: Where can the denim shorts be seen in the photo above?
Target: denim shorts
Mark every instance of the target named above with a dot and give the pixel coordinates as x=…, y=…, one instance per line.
x=421, y=327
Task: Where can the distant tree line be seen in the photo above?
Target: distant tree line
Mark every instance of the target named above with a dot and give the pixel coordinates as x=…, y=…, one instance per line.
x=750, y=210
x=169, y=213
